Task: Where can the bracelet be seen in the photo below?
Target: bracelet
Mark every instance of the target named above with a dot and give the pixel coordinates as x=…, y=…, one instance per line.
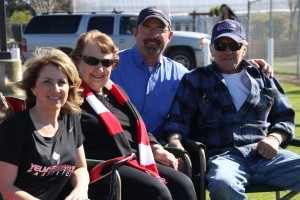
x=275, y=138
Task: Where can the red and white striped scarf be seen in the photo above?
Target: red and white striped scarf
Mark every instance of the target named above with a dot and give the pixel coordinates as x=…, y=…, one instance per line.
x=146, y=159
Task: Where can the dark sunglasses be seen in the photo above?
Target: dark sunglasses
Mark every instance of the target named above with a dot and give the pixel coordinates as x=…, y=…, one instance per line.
x=95, y=61
x=233, y=46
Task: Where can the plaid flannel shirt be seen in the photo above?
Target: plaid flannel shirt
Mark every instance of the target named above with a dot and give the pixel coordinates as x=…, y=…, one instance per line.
x=203, y=99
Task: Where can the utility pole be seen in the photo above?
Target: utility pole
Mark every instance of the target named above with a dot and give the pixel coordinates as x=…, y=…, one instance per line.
x=271, y=38
x=298, y=45
x=10, y=68
x=3, y=53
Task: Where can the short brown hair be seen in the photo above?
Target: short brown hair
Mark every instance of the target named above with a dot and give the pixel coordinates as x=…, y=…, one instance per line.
x=105, y=43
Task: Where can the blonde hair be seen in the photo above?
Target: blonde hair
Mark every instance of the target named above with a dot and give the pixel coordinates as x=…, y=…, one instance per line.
x=35, y=64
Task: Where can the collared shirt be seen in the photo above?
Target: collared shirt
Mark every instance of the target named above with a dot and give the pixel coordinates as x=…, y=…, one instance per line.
x=151, y=92
x=203, y=99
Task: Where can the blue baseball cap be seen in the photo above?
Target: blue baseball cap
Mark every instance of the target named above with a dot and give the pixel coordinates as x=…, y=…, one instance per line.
x=155, y=12
x=228, y=28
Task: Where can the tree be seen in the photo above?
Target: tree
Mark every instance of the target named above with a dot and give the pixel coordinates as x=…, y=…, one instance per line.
x=21, y=17
x=214, y=11
x=14, y=5
x=46, y=6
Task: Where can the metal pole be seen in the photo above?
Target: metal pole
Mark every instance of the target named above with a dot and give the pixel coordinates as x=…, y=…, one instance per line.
x=298, y=41
x=3, y=51
x=271, y=39
x=248, y=30
x=271, y=20
x=2, y=26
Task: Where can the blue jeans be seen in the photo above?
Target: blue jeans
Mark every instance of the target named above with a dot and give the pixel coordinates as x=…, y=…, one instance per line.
x=228, y=174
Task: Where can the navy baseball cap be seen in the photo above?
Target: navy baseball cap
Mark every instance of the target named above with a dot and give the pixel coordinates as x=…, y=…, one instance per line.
x=228, y=28
x=150, y=12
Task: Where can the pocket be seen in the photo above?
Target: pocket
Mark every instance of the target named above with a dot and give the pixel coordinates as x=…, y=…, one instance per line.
x=264, y=105
x=215, y=104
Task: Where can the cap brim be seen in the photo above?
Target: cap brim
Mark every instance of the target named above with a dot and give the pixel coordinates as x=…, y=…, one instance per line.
x=230, y=35
x=158, y=17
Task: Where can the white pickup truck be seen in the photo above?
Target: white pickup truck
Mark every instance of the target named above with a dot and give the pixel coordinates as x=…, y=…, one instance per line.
x=61, y=30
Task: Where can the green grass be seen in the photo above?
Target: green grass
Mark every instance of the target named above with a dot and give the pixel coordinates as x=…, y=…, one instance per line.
x=287, y=65
x=293, y=93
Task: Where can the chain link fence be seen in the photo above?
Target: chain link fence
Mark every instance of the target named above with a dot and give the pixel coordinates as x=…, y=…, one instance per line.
x=285, y=34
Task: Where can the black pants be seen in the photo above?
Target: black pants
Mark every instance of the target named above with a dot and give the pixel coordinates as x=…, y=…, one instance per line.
x=139, y=185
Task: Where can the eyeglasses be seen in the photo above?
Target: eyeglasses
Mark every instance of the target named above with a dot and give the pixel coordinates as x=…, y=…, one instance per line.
x=233, y=46
x=95, y=61
x=147, y=30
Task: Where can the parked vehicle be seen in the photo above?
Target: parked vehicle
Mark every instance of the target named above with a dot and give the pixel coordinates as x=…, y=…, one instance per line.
x=61, y=30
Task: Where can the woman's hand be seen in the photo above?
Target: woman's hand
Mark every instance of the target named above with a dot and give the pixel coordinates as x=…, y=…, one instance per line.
x=164, y=157
x=80, y=192
x=4, y=108
x=80, y=178
x=3, y=103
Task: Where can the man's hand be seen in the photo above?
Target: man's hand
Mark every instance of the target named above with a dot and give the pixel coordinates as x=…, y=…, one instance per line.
x=261, y=63
x=174, y=140
x=164, y=157
x=268, y=147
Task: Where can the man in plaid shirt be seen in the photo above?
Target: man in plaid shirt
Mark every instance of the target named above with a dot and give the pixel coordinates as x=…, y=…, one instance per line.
x=242, y=116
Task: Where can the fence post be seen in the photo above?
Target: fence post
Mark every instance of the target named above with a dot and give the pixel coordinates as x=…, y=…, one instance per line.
x=207, y=54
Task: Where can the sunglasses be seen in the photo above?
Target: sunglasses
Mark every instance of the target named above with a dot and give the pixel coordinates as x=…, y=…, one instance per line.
x=92, y=61
x=233, y=46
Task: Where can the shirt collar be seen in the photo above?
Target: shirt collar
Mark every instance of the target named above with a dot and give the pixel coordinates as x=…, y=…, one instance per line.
x=244, y=65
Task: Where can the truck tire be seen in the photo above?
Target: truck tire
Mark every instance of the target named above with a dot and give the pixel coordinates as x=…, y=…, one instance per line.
x=183, y=57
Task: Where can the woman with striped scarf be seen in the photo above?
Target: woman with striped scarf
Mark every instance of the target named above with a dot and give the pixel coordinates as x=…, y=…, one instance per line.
x=113, y=127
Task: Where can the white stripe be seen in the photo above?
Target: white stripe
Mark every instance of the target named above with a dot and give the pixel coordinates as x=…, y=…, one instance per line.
x=109, y=84
x=145, y=154
x=96, y=104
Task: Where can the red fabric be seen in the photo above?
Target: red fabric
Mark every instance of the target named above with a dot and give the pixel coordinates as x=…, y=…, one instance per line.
x=115, y=129
x=15, y=104
x=95, y=173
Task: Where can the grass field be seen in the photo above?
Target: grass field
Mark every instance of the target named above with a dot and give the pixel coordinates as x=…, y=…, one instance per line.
x=293, y=93
x=287, y=65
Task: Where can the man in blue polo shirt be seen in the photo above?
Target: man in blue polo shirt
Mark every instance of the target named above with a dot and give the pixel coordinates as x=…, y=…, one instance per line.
x=149, y=78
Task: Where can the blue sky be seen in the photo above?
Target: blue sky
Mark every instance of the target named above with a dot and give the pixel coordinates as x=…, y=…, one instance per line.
x=174, y=6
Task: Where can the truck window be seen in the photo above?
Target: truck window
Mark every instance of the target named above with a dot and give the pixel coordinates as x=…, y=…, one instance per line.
x=103, y=24
x=126, y=25
x=52, y=24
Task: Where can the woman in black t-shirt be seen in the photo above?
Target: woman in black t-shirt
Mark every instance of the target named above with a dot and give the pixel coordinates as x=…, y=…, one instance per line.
x=41, y=148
